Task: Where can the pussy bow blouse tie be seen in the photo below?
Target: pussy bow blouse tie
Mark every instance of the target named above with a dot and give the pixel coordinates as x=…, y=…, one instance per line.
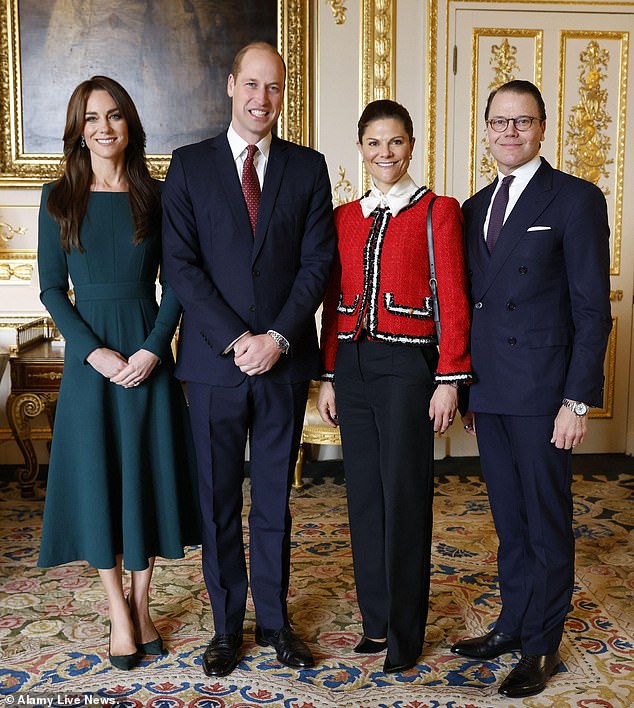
x=394, y=202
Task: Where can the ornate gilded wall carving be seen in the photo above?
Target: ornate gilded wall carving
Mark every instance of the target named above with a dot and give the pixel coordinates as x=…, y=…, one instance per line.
x=343, y=190
x=592, y=119
x=588, y=144
x=338, y=10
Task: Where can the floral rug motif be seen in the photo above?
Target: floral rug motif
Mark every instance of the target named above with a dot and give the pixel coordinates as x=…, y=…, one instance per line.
x=53, y=622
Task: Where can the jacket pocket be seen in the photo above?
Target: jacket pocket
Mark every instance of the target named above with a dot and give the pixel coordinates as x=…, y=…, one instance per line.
x=418, y=313
x=347, y=309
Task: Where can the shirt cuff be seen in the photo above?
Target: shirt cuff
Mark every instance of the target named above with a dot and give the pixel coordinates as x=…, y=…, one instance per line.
x=232, y=345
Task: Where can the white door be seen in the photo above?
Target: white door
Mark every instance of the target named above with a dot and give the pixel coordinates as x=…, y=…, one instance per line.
x=581, y=63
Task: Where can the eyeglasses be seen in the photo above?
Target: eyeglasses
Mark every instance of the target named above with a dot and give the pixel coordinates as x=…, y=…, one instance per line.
x=521, y=123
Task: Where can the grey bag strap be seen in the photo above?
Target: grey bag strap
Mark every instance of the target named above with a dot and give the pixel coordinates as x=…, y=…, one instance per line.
x=433, y=283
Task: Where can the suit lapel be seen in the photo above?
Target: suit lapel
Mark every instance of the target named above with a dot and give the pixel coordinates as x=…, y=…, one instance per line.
x=278, y=157
x=479, y=252
x=230, y=182
x=534, y=199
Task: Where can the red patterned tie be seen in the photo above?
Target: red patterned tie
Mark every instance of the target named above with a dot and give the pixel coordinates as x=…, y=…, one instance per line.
x=498, y=210
x=251, y=186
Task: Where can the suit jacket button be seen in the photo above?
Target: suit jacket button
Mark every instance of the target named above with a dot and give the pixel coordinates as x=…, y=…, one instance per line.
x=512, y=341
x=478, y=306
x=511, y=306
x=256, y=273
x=523, y=270
x=252, y=308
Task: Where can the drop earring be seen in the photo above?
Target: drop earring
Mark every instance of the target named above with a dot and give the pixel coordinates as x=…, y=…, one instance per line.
x=83, y=142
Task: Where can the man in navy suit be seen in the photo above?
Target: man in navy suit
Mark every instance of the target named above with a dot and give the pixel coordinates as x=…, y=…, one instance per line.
x=541, y=320
x=250, y=277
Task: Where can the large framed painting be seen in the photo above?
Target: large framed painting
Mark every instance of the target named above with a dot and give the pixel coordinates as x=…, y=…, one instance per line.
x=173, y=56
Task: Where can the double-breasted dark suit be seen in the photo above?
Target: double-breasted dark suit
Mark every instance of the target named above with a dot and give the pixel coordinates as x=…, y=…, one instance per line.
x=230, y=281
x=541, y=320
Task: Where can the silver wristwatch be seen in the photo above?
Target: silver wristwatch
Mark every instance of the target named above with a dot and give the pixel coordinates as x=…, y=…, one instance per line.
x=282, y=342
x=576, y=407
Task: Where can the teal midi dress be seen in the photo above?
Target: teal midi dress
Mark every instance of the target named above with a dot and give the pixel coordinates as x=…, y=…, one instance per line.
x=122, y=471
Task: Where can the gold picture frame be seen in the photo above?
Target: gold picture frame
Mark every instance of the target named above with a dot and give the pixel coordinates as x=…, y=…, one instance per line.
x=20, y=168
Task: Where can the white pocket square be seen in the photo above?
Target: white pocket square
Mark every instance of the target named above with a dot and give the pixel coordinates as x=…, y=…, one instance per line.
x=539, y=228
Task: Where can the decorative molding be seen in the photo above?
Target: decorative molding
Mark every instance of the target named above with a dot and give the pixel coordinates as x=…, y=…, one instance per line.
x=343, y=190
x=7, y=232
x=588, y=114
x=19, y=169
x=295, y=47
x=338, y=10
x=16, y=266
x=377, y=59
x=503, y=60
x=588, y=144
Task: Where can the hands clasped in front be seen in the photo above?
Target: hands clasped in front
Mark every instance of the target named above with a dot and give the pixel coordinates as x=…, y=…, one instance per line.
x=128, y=373
x=255, y=354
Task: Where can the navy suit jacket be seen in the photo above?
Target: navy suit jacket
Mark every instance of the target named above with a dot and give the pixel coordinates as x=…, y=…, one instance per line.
x=541, y=300
x=230, y=281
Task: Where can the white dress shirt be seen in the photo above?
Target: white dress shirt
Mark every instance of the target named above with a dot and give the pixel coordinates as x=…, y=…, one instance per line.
x=523, y=176
x=239, y=146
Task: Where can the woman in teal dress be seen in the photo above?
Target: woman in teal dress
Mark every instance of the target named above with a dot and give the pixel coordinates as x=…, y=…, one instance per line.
x=122, y=486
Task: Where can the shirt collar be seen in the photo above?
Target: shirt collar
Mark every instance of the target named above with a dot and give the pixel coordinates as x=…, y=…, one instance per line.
x=524, y=173
x=395, y=200
x=238, y=144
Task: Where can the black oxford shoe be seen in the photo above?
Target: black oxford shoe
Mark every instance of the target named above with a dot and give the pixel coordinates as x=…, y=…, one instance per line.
x=290, y=649
x=221, y=656
x=530, y=676
x=489, y=646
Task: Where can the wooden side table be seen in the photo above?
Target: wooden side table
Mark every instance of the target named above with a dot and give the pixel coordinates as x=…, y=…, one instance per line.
x=36, y=373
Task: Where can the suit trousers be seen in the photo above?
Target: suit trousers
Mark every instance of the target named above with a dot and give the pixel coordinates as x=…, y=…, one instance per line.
x=271, y=415
x=529, y=486
x=382, y=394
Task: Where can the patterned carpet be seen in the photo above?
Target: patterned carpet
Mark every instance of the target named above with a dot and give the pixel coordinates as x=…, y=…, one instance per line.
x=53, y=627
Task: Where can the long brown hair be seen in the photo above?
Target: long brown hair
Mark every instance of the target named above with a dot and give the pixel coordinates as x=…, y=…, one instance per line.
x=68, y=200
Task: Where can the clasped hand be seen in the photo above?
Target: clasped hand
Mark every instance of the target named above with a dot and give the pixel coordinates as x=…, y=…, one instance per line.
x=255, y=354
x=119, y=370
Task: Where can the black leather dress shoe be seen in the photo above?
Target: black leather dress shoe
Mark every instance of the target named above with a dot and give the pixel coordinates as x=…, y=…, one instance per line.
x=221, y=655
x=390, y=668
x=370, y=646
x=489, y=646
x=530, y=676
x=290, y=649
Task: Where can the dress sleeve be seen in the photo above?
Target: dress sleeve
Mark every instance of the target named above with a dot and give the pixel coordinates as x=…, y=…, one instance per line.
x=454, y=364
x=53, y=274
x=159, y=339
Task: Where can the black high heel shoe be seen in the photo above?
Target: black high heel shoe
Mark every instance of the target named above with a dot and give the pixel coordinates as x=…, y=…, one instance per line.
x=123, y=662
x=370, y=646
x=152, y=648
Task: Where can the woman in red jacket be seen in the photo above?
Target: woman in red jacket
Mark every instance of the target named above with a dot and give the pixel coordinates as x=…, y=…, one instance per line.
x=395, y=385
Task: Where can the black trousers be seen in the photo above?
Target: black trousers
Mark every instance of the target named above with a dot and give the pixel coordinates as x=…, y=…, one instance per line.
x=382, y=396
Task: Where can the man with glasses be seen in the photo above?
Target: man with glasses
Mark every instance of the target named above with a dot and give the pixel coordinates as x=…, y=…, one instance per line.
x=538, y=252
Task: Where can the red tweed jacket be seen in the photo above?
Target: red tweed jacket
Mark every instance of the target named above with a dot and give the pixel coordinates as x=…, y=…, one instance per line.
x=380, y=281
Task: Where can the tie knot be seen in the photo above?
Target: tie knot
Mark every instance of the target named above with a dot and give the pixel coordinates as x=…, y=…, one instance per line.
x=252, y=149
x=506, y=181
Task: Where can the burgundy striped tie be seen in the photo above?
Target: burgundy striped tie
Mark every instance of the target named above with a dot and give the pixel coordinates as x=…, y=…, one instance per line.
x=251, y=186
x=498, y=209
